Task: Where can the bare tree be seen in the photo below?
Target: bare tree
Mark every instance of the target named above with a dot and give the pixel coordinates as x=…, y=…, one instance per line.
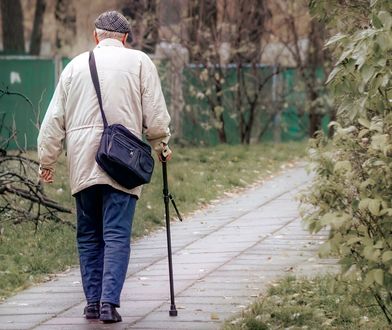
x=13, y=30
x=226, y=37
x=65, y=14
x=203, y=43
x=144, y=22
x=36, y=35
x=309, y=61
x=250, y=20
x=12, y=26
x=22, y=197
x=226, y=41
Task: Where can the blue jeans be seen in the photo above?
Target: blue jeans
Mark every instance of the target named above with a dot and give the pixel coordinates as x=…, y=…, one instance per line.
x=104, y=225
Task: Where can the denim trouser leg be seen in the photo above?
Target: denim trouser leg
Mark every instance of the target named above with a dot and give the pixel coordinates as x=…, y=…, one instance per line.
x=90, y=241
x=118, y=211
x=104, y=229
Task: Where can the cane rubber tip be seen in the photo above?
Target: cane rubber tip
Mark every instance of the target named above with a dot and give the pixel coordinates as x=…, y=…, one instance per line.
x=173, y=312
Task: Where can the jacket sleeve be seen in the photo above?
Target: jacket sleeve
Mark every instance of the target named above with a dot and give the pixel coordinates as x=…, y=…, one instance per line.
x=52, y=130
x=156, y=118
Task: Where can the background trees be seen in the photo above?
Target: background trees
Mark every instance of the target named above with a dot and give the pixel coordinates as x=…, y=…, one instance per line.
x=245, y=34
x=228, y=42
x=224, y=60
x=65, y=15
x=309, y=55
x=13, y=29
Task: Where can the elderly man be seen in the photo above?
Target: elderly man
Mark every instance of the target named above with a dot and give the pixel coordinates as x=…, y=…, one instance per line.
x=132, y=96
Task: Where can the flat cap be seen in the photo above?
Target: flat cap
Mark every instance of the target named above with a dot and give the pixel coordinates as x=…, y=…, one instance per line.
x=112, y=21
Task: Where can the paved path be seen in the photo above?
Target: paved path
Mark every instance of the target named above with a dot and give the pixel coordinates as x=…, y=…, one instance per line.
x=224, y=257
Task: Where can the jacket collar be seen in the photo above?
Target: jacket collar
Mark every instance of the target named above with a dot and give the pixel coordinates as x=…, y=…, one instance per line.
x=110, y=42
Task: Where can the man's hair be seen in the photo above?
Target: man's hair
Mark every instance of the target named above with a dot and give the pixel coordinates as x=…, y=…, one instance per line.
x=103, y=34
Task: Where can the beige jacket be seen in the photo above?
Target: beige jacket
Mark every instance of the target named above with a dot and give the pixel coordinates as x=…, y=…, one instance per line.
x=131, y=95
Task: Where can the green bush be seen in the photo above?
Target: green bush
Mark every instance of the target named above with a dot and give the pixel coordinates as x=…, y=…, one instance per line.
x=352, y=193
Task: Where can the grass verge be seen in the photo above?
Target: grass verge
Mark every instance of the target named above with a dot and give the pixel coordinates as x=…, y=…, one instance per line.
x=196, y=177
x=319, y=303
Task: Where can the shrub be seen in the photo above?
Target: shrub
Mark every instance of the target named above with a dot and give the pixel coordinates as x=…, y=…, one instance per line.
x=352, y=192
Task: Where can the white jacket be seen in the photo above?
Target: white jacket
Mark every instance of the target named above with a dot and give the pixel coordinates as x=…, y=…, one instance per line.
x=131, y=95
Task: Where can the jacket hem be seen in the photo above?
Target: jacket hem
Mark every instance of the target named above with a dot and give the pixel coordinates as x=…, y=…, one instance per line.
x=135, y=191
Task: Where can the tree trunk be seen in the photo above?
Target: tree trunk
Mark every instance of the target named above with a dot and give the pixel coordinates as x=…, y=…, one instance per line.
x=151, y=34
x=36, y=35
x=219, y=101
x=314, y=117
x=134, y=9
x=12, y=26
x=315, y=59
x=250, y=123
x=221, y=130
x=315, y=123
x=65, y=15
x=238, y=102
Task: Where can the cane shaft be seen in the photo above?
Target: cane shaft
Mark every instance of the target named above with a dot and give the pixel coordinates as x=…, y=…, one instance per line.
x=166, y=198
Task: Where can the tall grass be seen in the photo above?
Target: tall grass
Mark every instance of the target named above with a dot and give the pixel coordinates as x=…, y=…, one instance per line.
x=320, y=303
x=196, y=176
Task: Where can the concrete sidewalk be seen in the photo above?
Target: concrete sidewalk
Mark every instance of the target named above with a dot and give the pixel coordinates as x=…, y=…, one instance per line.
x=224, y=257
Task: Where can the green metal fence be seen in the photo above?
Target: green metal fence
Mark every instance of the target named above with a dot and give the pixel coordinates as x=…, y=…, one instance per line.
x=35, y=78
x=282, y=97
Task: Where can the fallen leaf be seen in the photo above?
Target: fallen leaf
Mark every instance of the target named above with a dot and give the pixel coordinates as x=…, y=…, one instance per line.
x=214, y=316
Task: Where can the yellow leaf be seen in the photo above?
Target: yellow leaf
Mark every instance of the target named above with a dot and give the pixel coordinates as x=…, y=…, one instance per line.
x=214, y=316
x=374, y=206
x=387, y=256
x=325, y=249
x=378, y=276
x=364, y=122
x=343, y=165
x=369, y=279
x=364, y=203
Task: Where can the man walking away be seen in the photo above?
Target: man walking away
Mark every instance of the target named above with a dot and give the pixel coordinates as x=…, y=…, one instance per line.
x=132, y=96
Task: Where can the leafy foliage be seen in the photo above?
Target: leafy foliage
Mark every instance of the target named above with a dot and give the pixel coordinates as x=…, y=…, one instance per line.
x=353, y=187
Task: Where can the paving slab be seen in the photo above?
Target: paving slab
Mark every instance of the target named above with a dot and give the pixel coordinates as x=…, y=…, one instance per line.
x=224, y=257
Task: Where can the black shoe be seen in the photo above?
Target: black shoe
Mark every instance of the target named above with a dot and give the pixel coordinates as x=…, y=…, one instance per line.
x=91, y=311
x=109, y=314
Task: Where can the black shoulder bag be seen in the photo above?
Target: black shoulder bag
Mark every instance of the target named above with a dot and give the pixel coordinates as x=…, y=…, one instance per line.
x=121, y=154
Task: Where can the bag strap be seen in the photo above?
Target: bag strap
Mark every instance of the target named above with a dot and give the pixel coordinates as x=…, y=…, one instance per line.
x=94, y=77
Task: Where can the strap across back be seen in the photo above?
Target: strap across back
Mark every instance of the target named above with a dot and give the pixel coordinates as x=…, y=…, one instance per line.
x=94, y=77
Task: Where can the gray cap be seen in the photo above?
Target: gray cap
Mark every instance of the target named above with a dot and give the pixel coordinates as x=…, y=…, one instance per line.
x=112, y=21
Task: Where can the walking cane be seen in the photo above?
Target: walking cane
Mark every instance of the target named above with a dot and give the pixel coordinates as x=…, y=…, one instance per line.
x=166, y=197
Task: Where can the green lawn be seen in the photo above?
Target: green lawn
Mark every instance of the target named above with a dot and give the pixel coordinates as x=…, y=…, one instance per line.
x=321, y=303
x=196, y=177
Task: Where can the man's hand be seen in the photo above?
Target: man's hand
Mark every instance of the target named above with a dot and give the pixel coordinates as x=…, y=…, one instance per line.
x=46, y=175
x=166, y=153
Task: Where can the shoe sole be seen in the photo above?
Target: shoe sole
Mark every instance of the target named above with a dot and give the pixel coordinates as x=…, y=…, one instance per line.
x=91, y=317
x=110, y=320
x=106, y=319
